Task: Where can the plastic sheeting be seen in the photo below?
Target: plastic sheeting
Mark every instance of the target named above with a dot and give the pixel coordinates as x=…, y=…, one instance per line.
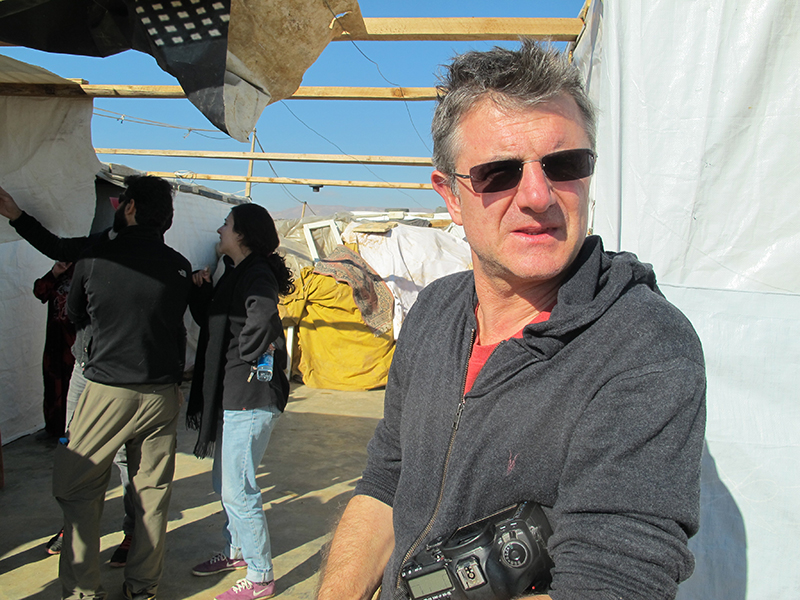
x=48, y=164
x=408, y=258
x=699, y=110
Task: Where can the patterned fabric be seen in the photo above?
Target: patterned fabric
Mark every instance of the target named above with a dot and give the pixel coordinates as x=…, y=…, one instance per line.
x=370, y=292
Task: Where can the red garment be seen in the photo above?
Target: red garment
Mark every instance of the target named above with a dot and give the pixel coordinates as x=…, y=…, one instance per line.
x=57, y=359
x=480, y=353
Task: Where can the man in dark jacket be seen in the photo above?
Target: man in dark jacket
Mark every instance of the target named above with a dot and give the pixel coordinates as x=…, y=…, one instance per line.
x=134, y=289
x=70, y=250
x=554, y=373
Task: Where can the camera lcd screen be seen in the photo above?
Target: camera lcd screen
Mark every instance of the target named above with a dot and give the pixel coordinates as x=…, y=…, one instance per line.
x=430, y=583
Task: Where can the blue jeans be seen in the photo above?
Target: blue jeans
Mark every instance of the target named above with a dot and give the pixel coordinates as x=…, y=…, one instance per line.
x=245, y=435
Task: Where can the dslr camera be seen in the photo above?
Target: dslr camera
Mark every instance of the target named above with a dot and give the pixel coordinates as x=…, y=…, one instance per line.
x=497, y=558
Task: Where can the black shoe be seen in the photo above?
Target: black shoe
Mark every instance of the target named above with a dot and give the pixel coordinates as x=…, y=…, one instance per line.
x=120, y=556
x=54, y=545
x=129, y=595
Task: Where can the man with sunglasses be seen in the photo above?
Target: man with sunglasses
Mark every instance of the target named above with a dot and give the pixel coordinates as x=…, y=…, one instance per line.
x=554, y=372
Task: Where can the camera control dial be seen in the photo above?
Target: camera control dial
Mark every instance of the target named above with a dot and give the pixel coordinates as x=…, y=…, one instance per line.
x=514, y=553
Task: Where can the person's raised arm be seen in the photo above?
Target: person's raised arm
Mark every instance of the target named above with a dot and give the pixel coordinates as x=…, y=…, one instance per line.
x=361, y=547
x=41, y=238
x=8, y=208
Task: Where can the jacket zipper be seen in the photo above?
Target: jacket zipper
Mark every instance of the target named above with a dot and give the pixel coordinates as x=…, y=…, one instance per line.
x=429, y=526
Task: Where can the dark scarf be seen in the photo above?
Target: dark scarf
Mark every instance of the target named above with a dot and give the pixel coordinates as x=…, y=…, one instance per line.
x=205, y=396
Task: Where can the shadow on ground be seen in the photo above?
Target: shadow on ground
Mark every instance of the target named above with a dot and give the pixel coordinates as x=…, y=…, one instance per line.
x=317, y=451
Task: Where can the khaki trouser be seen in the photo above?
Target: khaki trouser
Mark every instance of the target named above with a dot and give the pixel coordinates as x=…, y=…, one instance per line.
x=145, y=418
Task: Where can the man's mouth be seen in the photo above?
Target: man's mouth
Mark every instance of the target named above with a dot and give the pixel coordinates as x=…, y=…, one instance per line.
x=535, y=230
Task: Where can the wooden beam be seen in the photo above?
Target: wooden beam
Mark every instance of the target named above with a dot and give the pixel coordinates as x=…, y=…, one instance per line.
x=76, y=90
x=293, y=181
x=466, y=29
x=133, y=91
x=364, y=93
x=66, y=90
x=585, y=10
x=453, y=29
x=404, y=161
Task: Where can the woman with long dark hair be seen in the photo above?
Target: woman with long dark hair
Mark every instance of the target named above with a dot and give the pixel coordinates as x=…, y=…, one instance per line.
x=233, y=409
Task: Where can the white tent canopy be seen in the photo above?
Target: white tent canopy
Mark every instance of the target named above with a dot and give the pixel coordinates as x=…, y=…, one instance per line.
x=699, y=110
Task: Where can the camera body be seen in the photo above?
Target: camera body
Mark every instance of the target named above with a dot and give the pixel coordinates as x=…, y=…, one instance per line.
x=496, y=558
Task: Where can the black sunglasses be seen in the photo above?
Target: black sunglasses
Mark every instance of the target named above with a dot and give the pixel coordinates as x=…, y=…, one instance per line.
x=502, y=175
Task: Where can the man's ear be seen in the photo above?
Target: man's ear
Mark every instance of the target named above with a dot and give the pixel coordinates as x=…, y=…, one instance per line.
x=130, y=212
x=441, y=183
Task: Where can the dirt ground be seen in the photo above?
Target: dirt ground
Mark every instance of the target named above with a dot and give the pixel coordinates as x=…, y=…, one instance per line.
x=315, y=456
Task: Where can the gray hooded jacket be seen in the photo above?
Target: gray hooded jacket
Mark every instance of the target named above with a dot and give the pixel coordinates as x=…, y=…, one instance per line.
x=597, y=413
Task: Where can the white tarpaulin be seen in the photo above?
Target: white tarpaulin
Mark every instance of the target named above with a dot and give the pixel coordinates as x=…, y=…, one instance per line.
x=408, y=258
x=48, y=164
x=699, y=112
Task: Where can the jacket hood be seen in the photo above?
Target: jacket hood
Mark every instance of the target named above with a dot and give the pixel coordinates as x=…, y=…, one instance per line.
x=595, y=281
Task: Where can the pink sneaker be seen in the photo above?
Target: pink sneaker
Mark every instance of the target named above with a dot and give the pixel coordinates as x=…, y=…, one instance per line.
x=248, y=590
x=219, y=563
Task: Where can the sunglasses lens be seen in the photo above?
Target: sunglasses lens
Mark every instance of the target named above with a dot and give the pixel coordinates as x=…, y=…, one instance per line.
x=502, y=175
x=495, y=176
x=568, y=165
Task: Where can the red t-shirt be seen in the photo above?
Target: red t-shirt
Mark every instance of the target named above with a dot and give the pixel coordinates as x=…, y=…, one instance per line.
x=480, y=353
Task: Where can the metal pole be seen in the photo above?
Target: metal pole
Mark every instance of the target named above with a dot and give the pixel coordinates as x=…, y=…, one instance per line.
x=248, y=186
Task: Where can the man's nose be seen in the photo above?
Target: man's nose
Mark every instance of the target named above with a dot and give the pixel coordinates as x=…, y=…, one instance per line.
x=534, y=191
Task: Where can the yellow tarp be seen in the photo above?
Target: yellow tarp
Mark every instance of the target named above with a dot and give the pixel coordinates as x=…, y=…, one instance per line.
x=337, y=350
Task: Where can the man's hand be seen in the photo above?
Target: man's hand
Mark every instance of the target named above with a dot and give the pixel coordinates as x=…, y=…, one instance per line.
x=8, y=208
x=359, y=551
x=60, y=267
x=201, y=276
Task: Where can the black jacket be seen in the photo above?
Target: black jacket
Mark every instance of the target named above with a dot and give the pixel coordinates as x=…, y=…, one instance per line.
x=134, y=290
x=52, y=246
x=238, y=321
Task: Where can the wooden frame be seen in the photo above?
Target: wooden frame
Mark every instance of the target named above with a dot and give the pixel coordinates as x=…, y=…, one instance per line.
x=350, y=27
x=400, y=161
x=292, y=181
x=463, y=29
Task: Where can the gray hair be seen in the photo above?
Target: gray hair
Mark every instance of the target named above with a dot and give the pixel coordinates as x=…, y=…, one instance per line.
x=515, y=79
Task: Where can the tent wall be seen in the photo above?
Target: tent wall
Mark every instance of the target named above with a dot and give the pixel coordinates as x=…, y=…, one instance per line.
x=48, y=164
x=699, y=111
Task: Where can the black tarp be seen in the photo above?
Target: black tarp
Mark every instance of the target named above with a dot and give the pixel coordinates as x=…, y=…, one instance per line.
x=188, y=38
x=231, y=57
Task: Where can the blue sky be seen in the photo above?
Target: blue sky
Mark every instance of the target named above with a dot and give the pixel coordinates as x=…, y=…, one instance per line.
x=301, y=126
